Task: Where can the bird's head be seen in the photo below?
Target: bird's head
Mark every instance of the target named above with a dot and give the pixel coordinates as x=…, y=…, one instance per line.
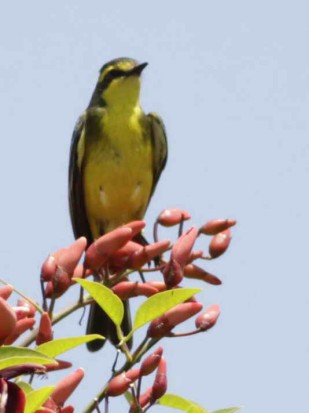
x=119, y=82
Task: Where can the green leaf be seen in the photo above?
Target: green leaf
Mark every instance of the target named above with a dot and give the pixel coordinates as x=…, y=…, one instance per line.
x=106, y=299
x=180, y=403
x=228, y=410
x=159, y=303
x=55, y=347
x=36, y=398
x=24, y=386
x=14, y=356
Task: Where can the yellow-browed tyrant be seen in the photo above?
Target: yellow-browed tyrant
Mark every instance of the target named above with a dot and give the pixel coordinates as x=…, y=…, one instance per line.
x=117, y=156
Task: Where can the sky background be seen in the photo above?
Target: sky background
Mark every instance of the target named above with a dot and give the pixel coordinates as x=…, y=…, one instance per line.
x=231, y=81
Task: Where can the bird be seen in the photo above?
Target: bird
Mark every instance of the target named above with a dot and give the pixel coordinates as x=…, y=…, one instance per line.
x=117, y=155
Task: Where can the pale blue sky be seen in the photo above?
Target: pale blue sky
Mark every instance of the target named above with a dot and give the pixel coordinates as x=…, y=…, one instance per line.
x=230, y=79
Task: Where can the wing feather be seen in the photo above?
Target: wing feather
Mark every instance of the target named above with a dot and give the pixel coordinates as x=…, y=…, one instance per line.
x=159, y=144
x=76, y=188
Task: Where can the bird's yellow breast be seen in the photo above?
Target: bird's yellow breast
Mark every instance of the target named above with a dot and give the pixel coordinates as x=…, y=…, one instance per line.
x=118, y=171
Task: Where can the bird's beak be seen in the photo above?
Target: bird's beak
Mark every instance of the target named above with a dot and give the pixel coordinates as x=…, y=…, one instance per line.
x=137, y=70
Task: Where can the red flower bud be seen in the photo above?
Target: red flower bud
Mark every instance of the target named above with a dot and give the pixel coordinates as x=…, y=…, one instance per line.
x=127, y=289
x=18, y=370
x=12, y=397
x=193, y=271
x=151, y=362
x=45, y=332
x=99, y=251
x=119, y=384
x=6, y=291
x=8, y=320
x=215, y=226
x=66, y=386
x=208, y=318
x=182, y=248
x=173, y=273
x=172, y=216
x=160, y=384
x=219, y=243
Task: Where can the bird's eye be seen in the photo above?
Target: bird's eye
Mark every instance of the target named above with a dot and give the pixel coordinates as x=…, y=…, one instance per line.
x=112, y=74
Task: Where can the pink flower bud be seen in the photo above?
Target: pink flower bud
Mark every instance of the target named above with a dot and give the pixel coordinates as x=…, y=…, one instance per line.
x=195, y=255
x=118, y=261
x=66, y=386
x=59, y=284
x=51, y=406
x=45, y=332
x=22, y=302
x=181, y=250
x=151, y=362
x=67, y=409
x=6, y=291
x=193, y=271
x=60, y=366
x=136, y=227
x=159, y=285
x=48, y=268
x=219, y=243
x=80, y=272
x=21, y=326
x=173, y=273
x=127, y=289
x=145, y=254
x=159, y=327
x=172, y=216
x=21, y=312
x=208, y=318
x=145, y=397
x=160, y=384
x=8, y=320
x=182, y=312
x=162, y=326
x=215, y=226
x=99, y=251
x=143, y=400
x=69, y=258
x=119, y=384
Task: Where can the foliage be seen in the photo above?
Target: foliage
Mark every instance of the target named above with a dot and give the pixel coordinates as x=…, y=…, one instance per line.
x=113, y=258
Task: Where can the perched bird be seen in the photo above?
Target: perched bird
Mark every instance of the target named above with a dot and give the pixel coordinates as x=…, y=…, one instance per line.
x=117, y=156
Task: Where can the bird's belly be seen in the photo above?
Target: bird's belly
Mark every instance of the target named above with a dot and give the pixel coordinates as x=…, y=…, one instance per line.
x=117, y=181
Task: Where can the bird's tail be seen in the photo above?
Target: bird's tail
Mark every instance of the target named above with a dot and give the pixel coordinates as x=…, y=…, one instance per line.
x=100, y=323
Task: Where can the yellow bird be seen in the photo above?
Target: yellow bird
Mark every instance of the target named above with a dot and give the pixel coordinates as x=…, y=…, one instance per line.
x=117, y=156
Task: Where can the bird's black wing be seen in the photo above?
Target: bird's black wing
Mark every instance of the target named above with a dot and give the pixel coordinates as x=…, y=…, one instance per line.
x=76, y=188
x=159, y=145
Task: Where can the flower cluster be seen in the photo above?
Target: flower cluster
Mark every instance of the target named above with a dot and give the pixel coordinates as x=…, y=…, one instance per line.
x=114, y=257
